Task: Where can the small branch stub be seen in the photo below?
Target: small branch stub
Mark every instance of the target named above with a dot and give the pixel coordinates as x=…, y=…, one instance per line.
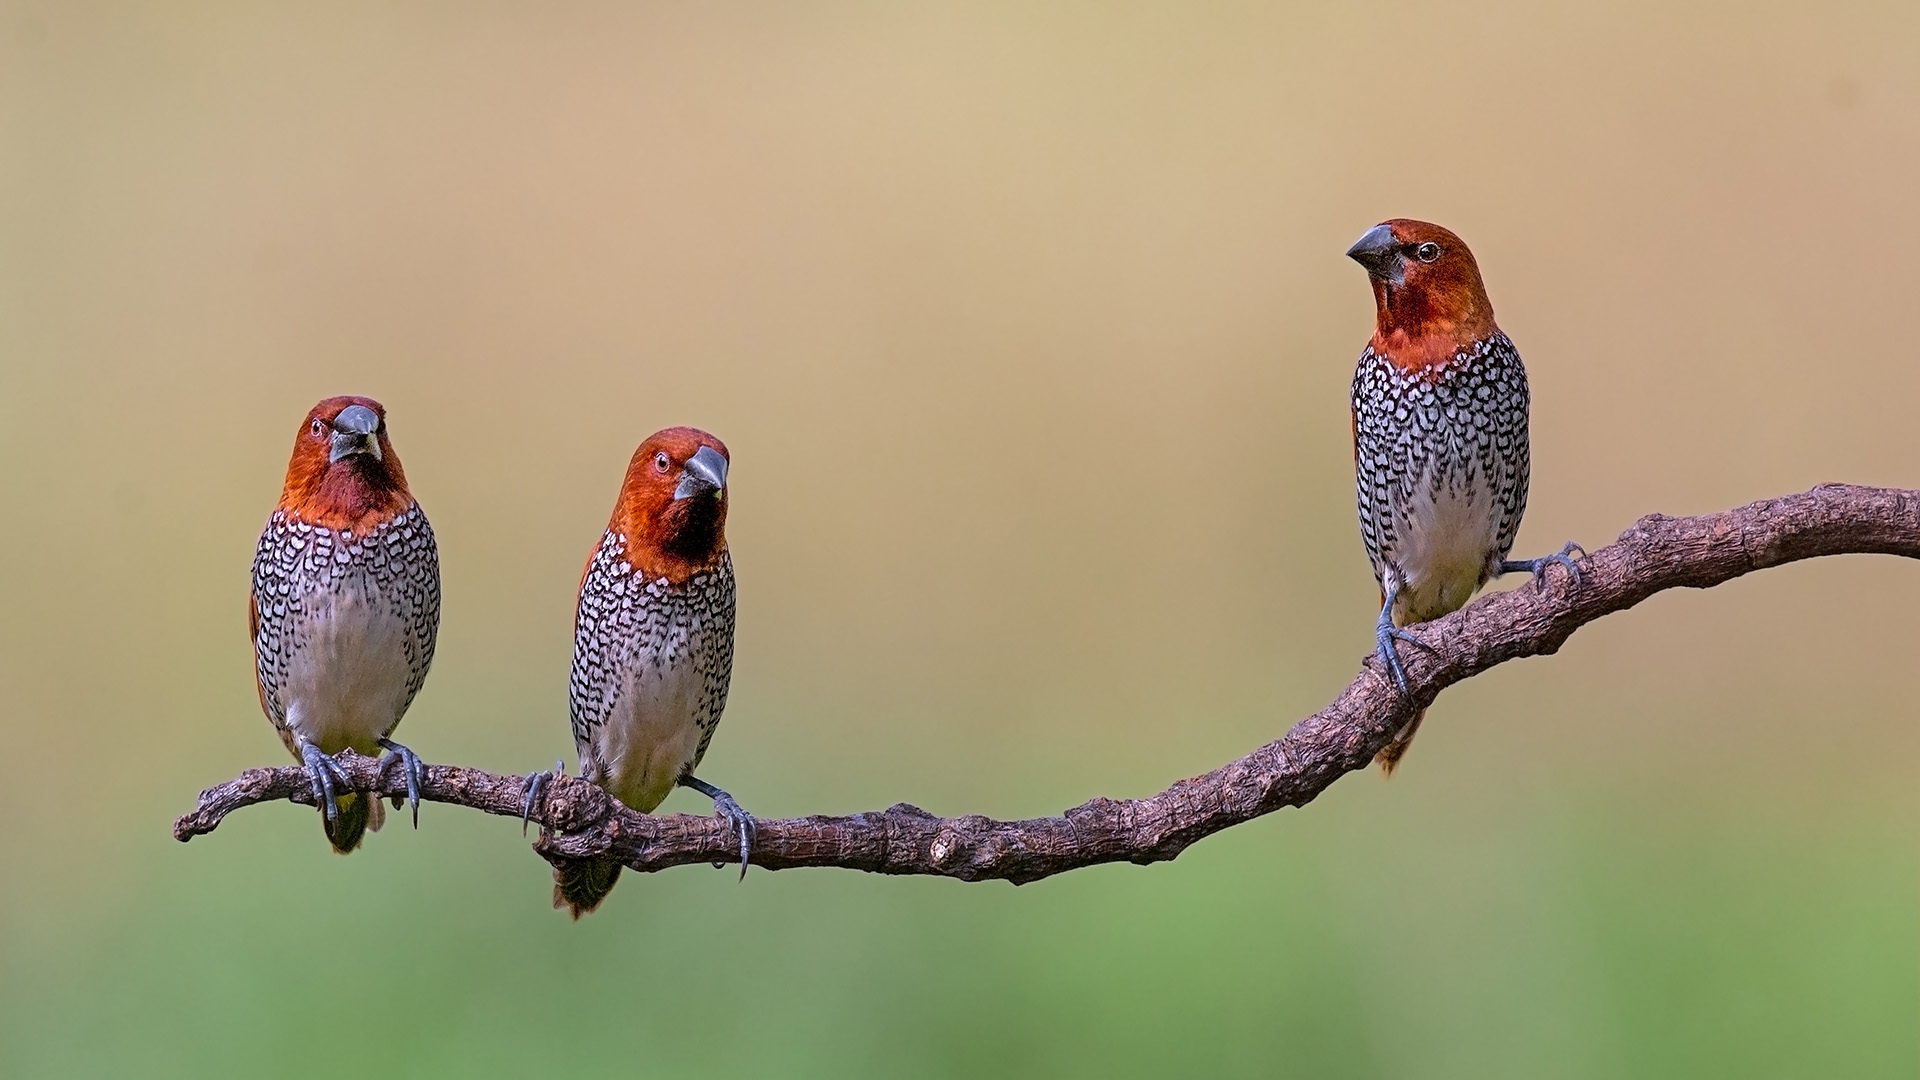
x=1656, y=554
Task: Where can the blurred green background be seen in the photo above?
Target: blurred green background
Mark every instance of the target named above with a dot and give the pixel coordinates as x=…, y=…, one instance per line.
x=1030, y=333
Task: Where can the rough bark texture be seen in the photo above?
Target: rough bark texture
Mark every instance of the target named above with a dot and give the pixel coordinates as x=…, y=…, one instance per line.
x=1658, y=553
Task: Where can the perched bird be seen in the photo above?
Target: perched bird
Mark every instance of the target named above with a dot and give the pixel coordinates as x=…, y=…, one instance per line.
x=653, y=645
x=345, y=606
x=1439, y=438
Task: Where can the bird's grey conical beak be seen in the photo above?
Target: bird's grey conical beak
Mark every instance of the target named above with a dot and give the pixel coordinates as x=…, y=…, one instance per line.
x=705, y=471
x=355, y=431
x=1379, y=252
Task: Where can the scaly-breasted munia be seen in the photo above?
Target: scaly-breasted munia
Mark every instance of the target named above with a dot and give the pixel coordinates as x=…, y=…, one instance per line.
x=653, y=645
x=345, y=606
x=1439, y=438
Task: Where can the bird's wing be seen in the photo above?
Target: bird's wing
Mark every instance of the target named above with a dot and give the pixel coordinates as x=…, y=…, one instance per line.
x=1372, y=457
x=1512, y=456
x=716, y=652
x=410, y=543
x=608, y=594
x=270, y=603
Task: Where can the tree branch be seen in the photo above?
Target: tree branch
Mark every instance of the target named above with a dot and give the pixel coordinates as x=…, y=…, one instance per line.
x=1657, y=553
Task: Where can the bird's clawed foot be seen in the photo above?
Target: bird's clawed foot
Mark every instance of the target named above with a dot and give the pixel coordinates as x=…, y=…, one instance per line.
x=1538, y=567
x=729, y=811
x=414, y=770
x=537, y=790
x=1384, y=635
x=323, y=772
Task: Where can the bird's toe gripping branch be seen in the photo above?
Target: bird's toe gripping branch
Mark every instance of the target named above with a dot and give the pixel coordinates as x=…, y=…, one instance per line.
x=414, y=770
x=729, y=811
x=323, y=772
x=1384, y=635
x=536, y=791
x=1538, y=567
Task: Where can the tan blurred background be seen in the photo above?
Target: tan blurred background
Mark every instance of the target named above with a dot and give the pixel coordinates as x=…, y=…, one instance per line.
x=1030, y=333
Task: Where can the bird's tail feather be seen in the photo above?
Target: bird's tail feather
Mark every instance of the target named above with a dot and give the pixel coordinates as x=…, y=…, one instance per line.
x=580, y=884
x=1389, y=756
x=358, y=813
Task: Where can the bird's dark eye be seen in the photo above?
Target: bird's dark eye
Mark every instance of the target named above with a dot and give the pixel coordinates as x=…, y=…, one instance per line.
x=1427, y=252
x=661, y=461
x=318, y=428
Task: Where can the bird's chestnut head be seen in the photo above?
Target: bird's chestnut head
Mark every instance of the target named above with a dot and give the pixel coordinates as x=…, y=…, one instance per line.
x=344, y=473
x=673, y=504
x=1428, y=298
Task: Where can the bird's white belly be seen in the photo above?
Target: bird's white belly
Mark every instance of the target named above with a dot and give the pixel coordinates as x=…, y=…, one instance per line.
x=347, y=675
x=651, y=733
x=1443, y=544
